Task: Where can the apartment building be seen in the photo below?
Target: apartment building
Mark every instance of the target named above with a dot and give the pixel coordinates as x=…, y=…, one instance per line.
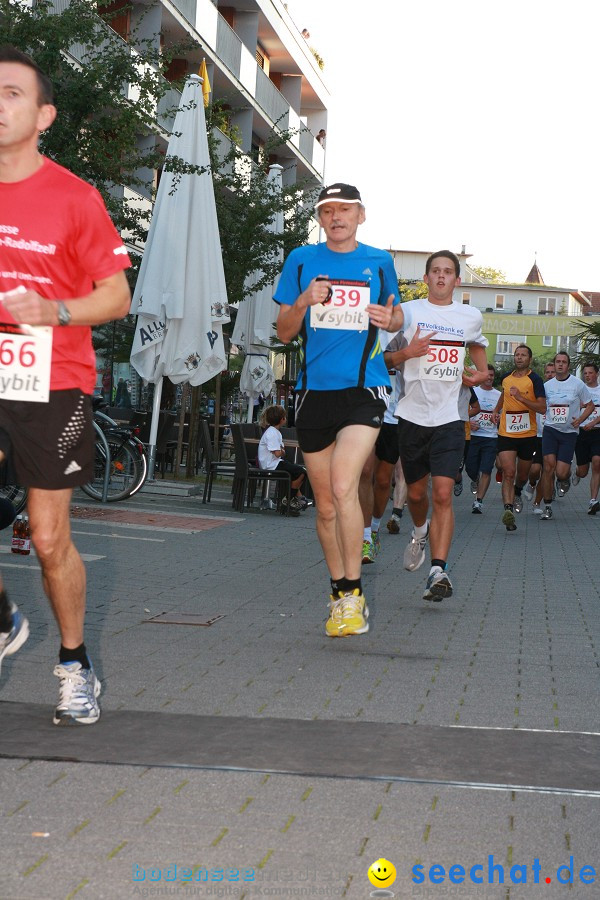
x=259, y=66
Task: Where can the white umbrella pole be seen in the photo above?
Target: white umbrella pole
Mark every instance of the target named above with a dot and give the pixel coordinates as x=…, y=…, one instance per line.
x=250, y=409
x=154, y=429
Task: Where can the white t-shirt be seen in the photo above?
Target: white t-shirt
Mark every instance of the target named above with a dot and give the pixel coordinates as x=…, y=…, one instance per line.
x=563, y=402
x=432, y=383
x=390, y=344
x=271, y=440
x=487, y=404
x=595, y=392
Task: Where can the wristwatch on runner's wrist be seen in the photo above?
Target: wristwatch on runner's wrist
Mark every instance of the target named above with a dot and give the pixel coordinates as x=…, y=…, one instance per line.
x=64, y=316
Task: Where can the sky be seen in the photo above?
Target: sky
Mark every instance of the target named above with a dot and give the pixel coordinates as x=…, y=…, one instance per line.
x=468, y=122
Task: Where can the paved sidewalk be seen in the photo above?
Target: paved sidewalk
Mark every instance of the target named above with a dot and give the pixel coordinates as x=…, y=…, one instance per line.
x=516, y=647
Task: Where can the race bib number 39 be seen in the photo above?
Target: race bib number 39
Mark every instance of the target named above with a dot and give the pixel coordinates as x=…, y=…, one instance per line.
x=346, y=309
x=25, y=354
x=445, y=361
x=517, y=422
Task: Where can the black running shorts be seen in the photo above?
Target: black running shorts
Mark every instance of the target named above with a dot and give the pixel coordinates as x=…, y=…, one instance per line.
x=431, y=451
x=387, y=448
x=52, y=443
x=524, y=447
x=321, y=414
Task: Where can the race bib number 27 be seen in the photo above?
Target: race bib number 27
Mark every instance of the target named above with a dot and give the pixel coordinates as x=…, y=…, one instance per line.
x=25, y=355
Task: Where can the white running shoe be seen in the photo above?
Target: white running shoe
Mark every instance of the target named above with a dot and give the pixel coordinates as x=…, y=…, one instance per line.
x=10, y=641
x=438, y=585
x=79, y=690
x=414, y=555
x=527, y=492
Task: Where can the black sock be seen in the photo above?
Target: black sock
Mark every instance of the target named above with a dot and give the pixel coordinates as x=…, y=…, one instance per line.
x=334, y=585
x=6, y=619
x=439, y=562
x=347, y=585
x=518, y=489
x=480, y=499
x=397, y=512
x=78, y=654
x=508, y=506
x=548, y=502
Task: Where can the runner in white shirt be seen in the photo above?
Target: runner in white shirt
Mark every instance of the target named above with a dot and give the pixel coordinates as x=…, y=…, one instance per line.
x=481, y=455
x=432, y=434
x=587, y=448
x=569, y=403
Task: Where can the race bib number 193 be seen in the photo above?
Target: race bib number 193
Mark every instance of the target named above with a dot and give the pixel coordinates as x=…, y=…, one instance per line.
x=25, y=355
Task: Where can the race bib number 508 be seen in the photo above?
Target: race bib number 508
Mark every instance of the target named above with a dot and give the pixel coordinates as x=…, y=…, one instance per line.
x=445, y=361
x=25, y=354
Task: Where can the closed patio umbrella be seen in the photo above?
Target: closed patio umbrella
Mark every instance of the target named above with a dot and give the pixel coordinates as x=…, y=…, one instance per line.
x=180, y=296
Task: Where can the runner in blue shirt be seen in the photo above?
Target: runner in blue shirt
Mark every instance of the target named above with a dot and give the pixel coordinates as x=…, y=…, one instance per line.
x=335, y=296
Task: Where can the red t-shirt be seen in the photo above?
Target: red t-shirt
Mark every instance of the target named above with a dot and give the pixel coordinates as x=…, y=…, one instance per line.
x=56, y=238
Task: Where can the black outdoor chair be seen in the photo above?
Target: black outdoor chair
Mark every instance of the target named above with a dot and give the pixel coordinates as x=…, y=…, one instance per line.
x=212, y=466
x=247, y=476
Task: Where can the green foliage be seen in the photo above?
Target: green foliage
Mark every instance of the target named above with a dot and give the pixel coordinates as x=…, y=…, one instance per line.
x=246, y=205
x=99, y=133
x=412, y=290
x=507, y=366
x=490, y=275
x=588, y=337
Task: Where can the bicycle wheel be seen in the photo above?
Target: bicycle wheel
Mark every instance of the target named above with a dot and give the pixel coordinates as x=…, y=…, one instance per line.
x=16, y=494
x=125, y=470
x=136, y=486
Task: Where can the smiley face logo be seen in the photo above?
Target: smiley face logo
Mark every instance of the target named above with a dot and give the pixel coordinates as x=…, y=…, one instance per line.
x=382, y=873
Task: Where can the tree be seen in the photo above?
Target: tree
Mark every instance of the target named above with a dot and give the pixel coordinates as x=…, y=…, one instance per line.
x=110, y=141
x=246, y=205
x=490, y=275
x=411, y=290
x=100, y=134
x=588, y=338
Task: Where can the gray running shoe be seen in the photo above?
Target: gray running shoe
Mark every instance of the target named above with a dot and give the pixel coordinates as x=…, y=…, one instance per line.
x=10, y=641
x=438, y=586
x=575, y=479
x=476, y=508
x=79, y=690
x=518, y=505
x=414, y=555
x=537, y=509
x=458, y=488
x=547, y=514
x=563, y=487
x=593, y=507
x=474, y=486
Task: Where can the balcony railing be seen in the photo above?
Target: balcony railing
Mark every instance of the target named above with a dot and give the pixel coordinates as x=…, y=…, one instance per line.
x=229, y=47
x=271, y=101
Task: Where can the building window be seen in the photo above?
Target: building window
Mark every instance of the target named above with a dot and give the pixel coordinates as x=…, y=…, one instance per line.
x=547, y=341
x=507, y=344
x=260, y=59
x=499, y=301
x=547, y=306
x=466, y=297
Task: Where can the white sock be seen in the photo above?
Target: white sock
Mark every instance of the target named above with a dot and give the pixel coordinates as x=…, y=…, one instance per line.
x=375, y=523
x=421, y=530
x=367, y=534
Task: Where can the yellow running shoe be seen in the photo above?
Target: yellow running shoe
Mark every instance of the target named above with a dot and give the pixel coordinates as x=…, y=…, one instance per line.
x=348, y=614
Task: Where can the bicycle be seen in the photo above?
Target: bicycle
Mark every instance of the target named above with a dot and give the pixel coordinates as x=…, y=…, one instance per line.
x=127, y=464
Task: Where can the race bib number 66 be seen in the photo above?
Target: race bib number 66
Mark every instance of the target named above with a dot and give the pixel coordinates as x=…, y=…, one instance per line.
x=25, y=354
